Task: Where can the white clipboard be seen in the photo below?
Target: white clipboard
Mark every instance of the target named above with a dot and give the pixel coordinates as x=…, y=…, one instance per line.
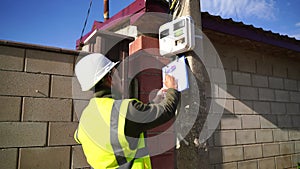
x=177, y=69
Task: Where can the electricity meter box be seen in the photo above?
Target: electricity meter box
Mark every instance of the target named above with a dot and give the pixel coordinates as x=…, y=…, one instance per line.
x=177, y=36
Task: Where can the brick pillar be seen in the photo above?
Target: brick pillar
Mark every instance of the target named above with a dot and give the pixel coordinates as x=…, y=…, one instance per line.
x=145, y=51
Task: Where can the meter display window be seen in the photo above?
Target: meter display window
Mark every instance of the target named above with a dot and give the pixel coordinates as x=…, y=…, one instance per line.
x=164, y=33
x=178, y=25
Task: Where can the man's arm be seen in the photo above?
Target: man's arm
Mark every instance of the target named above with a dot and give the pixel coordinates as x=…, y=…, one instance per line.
x=142, y=117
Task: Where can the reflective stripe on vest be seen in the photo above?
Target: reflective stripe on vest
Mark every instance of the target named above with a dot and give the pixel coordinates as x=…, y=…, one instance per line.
x=108, y=147
x=114, y=138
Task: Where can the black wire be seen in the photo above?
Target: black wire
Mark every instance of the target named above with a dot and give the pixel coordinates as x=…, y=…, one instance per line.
x=170, y=3
x=87, y=16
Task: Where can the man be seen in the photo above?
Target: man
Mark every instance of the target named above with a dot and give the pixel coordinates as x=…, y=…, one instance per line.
x=111, y=130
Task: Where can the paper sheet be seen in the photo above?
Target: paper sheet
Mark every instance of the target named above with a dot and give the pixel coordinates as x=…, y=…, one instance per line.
x=177, y=69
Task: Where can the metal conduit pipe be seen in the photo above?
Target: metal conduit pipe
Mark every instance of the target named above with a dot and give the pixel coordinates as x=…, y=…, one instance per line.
x=106, y=9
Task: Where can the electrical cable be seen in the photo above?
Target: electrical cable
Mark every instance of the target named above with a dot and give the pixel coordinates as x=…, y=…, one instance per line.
x=85, y=22
x=171, y=6
x=170, y=3
x=177, y=8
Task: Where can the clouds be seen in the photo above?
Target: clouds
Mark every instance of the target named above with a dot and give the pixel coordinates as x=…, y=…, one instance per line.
x=240, y=9
x=297, y=36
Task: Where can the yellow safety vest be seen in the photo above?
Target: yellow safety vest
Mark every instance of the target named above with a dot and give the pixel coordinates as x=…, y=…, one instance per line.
x=101, y=133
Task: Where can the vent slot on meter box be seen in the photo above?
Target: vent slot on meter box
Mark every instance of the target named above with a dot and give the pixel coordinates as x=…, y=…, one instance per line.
x=177, y=36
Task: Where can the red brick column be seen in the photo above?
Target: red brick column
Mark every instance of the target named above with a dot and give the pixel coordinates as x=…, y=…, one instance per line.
x=145, y=50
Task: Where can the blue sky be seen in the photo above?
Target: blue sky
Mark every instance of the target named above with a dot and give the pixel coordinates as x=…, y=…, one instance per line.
x=59, y=23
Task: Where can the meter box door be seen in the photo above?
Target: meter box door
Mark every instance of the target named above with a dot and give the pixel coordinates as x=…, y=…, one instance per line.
x=177, y=36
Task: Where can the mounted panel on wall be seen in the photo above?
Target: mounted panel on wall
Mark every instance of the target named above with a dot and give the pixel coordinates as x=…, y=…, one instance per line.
x=177, y=36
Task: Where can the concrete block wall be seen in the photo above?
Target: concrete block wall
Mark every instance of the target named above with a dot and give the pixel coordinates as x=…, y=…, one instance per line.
x=37, y=116
x=260, y=127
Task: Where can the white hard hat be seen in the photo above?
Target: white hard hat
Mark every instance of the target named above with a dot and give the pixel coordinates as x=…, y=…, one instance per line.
x=91, y=69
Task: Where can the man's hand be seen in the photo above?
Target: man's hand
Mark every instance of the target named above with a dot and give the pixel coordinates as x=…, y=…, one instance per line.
x=170, y=82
